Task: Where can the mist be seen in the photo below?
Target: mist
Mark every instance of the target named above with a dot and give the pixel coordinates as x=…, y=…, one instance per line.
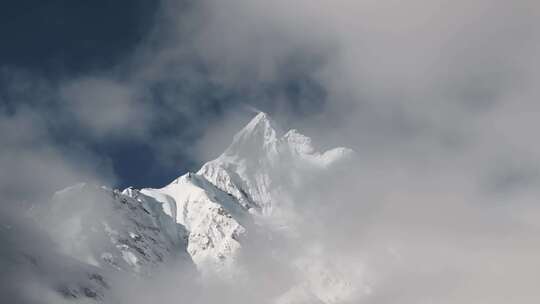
x=438, y=99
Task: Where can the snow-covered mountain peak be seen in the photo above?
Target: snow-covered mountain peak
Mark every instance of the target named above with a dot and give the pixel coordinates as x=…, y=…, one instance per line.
x=261, y=121
x=209, y=219
x=260, y=135
x=252, y=169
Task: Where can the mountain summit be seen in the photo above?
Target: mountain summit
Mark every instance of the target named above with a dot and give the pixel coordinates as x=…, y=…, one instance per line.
x=260, y=152
x=260, y=134
x=203, y=217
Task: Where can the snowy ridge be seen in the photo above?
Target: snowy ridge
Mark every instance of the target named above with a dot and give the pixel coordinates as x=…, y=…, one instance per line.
x=99, y=226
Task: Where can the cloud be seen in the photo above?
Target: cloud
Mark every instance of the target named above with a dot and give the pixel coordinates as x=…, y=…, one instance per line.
x=105, y=107
x=438, y=98
x=35, y=165
x=35, y=162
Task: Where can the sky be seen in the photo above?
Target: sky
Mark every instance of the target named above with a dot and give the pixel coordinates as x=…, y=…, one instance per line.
x=61, y=38
x=49, y=42
x=85, y=70
x=149, y=91
x=438, y=98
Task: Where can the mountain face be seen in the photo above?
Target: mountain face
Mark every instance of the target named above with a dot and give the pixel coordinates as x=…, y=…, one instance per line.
x=203, y=218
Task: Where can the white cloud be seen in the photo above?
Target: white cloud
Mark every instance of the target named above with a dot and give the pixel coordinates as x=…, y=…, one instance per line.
x=105, y=107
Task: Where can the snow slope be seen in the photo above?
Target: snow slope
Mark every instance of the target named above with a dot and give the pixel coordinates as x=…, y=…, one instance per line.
x=215, y=221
